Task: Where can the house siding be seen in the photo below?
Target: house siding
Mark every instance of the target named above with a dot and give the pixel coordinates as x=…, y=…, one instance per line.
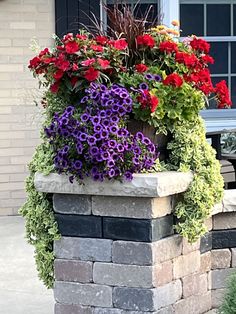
x=21, y=20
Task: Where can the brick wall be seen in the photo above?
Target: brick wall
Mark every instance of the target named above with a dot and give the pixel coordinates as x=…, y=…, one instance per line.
x=21, y=20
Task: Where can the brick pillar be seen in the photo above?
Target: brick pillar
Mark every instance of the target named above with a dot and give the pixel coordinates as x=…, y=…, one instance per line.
x=118, y=253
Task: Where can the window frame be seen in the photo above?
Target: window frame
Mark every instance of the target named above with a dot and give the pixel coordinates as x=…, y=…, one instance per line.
x=210, y=39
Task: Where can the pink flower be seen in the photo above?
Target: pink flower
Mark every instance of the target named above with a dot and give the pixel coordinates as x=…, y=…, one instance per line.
x=88, y=62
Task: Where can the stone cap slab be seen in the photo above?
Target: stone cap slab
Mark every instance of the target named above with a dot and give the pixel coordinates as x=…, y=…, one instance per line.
x=228, y=203
x=158, y=184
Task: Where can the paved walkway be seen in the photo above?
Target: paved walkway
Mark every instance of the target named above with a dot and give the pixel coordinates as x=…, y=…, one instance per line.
x=20, y=290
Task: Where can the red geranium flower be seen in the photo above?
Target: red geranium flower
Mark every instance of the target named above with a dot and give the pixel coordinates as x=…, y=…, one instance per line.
x=119, y=44
x=55, y=87
x=44, y=52
x=200, y=44
x=190, y=60
x=173, y=79
x=154, y=103
x=71, y=47
x=97, y=48
x=48, y=60
x=207, y=59
x=222, y=93
x=58, y=74
x=68, y=37
x=102, y=40
x=62, y=63
x=34, y=62
x=82, y=37
x=88, y=62
x=91, y=74
x=141, y=68
x=201, y=80
x=168, y=47
x=145, y=40
x=104, y=63
x=148, y=100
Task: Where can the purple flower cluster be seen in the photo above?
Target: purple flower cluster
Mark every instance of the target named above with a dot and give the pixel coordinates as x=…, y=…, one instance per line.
x=96, y=142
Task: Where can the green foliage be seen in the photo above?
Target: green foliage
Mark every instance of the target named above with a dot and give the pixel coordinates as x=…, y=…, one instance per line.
x=41, y=227
x=229, y=303
x=190, y=151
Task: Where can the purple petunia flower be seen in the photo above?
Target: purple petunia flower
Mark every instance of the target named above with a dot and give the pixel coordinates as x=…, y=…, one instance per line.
x=84, y=117
x=110, y=163
x=113, y=129
x=112, y=143
x=143, y=86
x=78, y=164
x=95, y=120
x=128, y=175
x=111, y=173
x=83, y=137
x=70, y=110
x=157, y=77
x=149, y=77
x=94, y=150
x=92, y=140
x=105, y=155
x=146, y=141
x=84, y=100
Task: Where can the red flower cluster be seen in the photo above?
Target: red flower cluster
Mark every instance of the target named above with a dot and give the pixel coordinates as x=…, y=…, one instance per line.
x=173, y=79
x=141, y=68
x=71, y=47
x=201, y=80
x=64, y=64
x=91, y=74
x=168, y=47
x=190, y=60
x=146, y=40
x=200, y=45
x=119, y=44
x=148, y=101
x=222, y=93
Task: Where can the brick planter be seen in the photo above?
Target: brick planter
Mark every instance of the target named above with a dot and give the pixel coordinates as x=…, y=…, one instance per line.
x=118, y=253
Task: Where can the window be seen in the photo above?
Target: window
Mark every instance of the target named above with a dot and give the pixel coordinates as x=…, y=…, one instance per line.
x=139, y=8
x=74, y=14
x=215, y=20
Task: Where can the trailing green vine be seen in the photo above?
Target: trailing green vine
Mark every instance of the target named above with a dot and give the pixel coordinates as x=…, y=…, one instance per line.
x=41, y=227
x=189, y=151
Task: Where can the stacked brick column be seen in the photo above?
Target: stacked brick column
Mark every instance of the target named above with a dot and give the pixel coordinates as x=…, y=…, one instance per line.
x=119, y=254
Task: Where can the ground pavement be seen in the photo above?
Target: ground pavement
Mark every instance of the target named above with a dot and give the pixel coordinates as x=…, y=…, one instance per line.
x=20, y=290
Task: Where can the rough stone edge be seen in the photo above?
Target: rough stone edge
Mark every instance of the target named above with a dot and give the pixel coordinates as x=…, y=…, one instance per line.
x=143, y=185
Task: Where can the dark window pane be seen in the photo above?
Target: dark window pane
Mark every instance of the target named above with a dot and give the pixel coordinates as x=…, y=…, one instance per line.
x=234, y=9
x=215, y=80
x=233, y=57
x=192, y=19
x=219, y=51
x=218, y=20
x=142, y=9
x=233, y=91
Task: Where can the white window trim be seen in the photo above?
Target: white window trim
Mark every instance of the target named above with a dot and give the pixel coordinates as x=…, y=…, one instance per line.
x=169, y=11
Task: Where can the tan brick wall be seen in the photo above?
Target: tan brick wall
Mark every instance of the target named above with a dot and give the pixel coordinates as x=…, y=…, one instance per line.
x=21, y=20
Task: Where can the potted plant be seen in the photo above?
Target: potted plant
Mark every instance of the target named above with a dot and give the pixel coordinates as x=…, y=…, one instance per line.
x=106, y=99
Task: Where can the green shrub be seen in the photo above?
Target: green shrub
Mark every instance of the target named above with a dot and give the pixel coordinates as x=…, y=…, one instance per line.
x=229, y=302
